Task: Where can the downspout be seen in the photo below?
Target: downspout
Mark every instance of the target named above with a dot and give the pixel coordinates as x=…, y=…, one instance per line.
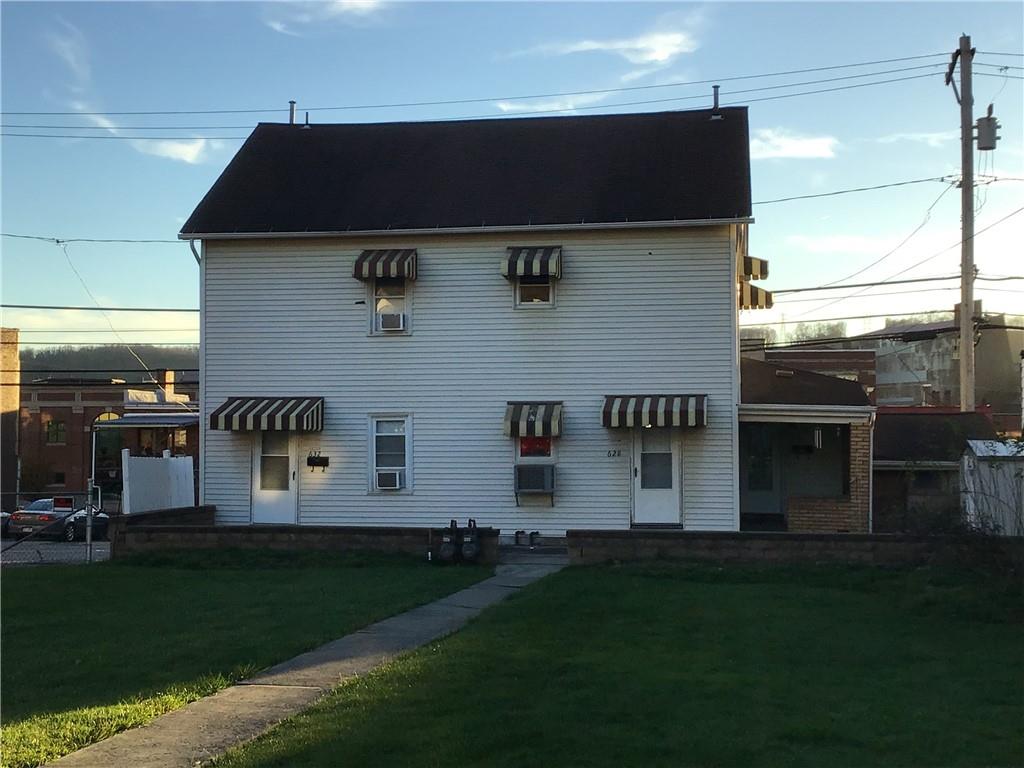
x=192, y=245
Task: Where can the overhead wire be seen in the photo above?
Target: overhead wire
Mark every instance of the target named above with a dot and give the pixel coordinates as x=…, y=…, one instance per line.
x=518, y=97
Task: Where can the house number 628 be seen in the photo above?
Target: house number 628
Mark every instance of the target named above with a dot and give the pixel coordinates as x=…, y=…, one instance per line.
x=615, y=452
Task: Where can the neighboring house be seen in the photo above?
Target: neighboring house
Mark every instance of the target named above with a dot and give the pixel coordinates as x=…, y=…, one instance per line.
x=922, y=367
x=992, y=483
x=10, y=374
x=917, y=465
x=805, y=451
x=853, y=364
x=57, y=420
x=531, y=322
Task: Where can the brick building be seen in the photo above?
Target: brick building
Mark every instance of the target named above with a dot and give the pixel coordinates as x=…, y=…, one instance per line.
x=10, y=372
x=56, y=424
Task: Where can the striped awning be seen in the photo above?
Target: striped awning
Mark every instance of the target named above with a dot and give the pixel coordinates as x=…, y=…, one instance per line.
x=752, y=268
x=543, y=261
x=277, y=414
x=397, y=262
x=752, y=297
x=533, y=419
x=655, y=411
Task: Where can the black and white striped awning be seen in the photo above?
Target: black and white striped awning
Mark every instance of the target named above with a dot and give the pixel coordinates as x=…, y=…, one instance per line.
x=533, y=419
x=752, y=297
x=753, y=268
x=276, y=414
x=545, y=261
x=655, y=411
x=397, y=262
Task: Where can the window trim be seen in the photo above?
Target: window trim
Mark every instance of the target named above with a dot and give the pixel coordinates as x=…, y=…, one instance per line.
x=371, y=302
x=533, y=305
x=371, y=451
x=62, y=432
x=517, y=458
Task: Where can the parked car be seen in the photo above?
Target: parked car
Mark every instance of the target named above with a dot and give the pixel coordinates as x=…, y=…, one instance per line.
x=5, y=520
x=40, y=519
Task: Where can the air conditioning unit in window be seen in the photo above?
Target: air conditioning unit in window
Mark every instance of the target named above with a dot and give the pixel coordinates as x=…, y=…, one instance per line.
x=535, y=478
x=390, y=479
x=392, y=322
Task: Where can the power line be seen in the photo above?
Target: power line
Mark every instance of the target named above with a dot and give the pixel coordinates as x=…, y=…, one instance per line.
x=852, y=317
x=887, y=280
x=997, y=74
x=852, y=189
x=904, y=241
x=902, y=293
x=532, y=113
x=106, y=344
x=59, y=240
x=98, y=309
x=107, y=330
x=995, y=53
x=518, y=97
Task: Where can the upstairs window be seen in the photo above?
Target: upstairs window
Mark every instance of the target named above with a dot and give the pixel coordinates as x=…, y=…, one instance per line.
x=56, y=433
x=534, y=291
x=390, y=305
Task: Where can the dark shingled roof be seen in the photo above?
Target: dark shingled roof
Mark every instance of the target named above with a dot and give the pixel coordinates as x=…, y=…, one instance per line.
x=660, y=166
x=928, y=436
x=770, y=383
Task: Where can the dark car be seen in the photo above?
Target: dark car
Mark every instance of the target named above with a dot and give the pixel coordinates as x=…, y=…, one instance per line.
x=41, y=519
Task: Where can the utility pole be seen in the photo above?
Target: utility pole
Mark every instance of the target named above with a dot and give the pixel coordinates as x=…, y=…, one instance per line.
x=966, y=98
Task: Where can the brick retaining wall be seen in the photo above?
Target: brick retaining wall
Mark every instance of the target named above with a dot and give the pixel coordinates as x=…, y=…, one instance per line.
x=129, y=536
x=590, y=547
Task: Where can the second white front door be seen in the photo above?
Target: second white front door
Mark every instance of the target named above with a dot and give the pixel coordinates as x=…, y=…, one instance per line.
x=656, y=477
x=274, y=478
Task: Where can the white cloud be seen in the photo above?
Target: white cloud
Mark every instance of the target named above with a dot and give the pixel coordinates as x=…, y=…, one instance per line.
x=775, y=143
x=651, y=48
x=287, y=18
x=71, y=47
x=563, y=103
x=931, y=139
x=186, y=150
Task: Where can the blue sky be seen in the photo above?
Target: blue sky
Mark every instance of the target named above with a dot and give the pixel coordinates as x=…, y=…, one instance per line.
x=117, y=57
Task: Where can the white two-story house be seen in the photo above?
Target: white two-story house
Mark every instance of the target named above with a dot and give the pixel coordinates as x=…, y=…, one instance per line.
x=531, y=322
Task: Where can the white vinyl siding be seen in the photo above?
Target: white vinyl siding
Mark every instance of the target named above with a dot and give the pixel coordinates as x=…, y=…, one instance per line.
x=638, y=311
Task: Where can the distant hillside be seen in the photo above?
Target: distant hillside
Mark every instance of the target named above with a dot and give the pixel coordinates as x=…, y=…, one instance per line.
x=105, y=359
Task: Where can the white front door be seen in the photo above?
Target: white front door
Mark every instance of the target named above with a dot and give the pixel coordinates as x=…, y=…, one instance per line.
x=656, y=476
x=274, y=478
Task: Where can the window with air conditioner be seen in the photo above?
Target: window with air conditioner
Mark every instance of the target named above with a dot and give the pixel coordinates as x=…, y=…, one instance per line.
x=390, y=454
x=390, y=305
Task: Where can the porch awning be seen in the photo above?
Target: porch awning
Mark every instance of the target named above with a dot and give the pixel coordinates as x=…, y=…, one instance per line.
x=276, y=414
x=655, y=411
x=533, y=419
x=753, y=268
x=752, y=297
x=398, y=262
x=545, y=261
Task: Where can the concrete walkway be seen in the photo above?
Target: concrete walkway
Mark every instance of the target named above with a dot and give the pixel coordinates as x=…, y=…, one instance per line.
x=207, y=728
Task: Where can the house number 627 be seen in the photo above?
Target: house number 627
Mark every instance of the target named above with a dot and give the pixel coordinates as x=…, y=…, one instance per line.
x=615, y=452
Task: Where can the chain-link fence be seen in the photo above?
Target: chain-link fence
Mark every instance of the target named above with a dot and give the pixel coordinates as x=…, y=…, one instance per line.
x=64, y=529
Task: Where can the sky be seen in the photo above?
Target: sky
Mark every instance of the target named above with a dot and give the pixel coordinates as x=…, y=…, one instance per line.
x=90, y=57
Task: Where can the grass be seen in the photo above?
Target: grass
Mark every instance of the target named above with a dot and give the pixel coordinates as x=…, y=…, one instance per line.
x=92, y=650
x=674, y=665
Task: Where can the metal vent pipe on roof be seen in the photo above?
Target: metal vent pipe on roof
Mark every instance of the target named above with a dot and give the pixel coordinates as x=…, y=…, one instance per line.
x=291, y=113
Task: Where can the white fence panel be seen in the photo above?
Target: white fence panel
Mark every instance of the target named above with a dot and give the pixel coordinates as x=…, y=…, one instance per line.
x=156, y=483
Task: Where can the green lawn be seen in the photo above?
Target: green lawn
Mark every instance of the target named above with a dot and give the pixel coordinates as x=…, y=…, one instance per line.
x=91, y=650
x=675, y=665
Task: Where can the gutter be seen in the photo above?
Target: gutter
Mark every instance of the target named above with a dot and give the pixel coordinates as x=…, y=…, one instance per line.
x=674, y=223
x=826, y=414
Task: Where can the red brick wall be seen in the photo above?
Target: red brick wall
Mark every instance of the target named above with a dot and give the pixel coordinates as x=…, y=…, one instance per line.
x=843, y=515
